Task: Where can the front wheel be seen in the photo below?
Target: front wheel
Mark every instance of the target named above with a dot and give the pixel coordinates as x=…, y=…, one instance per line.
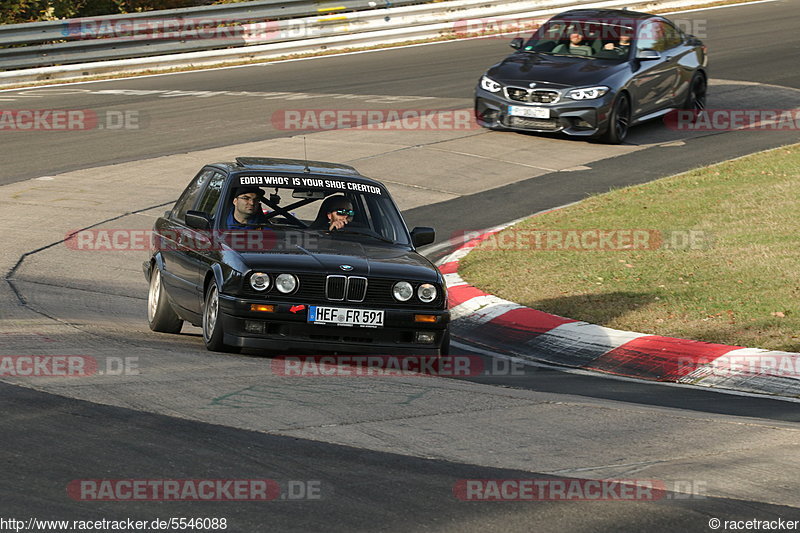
x=696, y=99
x=213, y=333
x=160, y=316
x=618, y=121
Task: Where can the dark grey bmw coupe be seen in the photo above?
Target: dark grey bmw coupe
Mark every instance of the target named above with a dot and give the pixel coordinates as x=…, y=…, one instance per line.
x=594, y=73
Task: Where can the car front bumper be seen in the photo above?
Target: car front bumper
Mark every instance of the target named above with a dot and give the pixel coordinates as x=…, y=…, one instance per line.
x=287, y=328
x=580, y=118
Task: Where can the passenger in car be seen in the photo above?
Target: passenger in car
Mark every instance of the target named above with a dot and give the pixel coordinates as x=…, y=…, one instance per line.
x=334, y=213
x=576, y=46
x=622, y=47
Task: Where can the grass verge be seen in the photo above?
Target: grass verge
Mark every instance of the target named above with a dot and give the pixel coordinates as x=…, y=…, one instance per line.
x=731, y=275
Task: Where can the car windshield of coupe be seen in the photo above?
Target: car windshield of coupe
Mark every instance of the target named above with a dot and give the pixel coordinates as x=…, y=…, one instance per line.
x=603, y=39
x=369, y=214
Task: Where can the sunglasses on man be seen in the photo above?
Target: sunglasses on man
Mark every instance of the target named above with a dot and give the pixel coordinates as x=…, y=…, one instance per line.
x=345, y=212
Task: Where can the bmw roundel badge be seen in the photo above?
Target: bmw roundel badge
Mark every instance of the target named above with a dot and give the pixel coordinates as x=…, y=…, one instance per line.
x=346, y=268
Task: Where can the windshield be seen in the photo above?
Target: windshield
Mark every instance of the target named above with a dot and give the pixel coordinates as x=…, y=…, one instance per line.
x=334, y=208
x=593, y=38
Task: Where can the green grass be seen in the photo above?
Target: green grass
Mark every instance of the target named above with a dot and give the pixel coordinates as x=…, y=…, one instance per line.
x=742, y=288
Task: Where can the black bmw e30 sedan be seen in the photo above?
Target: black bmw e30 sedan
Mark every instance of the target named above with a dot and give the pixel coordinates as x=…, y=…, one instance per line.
x=594, y=73
x=282, y=275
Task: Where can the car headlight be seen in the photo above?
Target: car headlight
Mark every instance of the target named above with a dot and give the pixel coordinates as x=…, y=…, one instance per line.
x=402, y=291
x=589, y=93
x=488, y=84
x=426, y=292
x=259, y=281
x=286, y=283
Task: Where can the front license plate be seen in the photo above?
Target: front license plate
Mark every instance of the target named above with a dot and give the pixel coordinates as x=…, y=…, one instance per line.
x=342, y=316
x=532, y=112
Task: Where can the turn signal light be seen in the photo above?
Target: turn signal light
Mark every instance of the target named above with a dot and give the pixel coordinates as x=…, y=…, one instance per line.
x=262, y=308
x=426, y=318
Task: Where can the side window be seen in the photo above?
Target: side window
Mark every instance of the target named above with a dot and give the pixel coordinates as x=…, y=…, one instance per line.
x=210, y=199
x=189, y=196
x=672, y=37
x=657, y=35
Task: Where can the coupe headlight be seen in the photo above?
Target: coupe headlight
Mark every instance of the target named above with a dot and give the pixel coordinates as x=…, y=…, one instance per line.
x=259, y=281
x=488, y=84
x=590, y=93
x=402, y=291
x=426, y=292
x=286, y=283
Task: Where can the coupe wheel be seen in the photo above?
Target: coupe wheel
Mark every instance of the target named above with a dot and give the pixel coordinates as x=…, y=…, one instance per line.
x=618, y=121
x=160, y=316
x=213, y=333
x=696, y=99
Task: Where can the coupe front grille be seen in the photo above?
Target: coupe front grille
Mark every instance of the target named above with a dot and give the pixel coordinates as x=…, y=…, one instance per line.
x=356, y=289
x=533, y=123
x=532, y=96
x=335, y=288
x=520, y=95
x=319, y=288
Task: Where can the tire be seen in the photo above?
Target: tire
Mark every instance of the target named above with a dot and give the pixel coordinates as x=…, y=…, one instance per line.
x=444, y=348
x=213, y=333
x=618, y=121
x=696, y=98
x=160, y=315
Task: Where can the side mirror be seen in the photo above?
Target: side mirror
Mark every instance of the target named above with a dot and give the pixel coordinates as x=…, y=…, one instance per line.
x=648, y=54
x=516, y=43
x=421, y=236
x=198, y=220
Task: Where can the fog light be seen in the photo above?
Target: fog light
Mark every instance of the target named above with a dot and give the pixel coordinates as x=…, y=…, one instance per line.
x=426, y=318
x=254, y=326
x=583, y=124
x=425, y=337
x=263, y=308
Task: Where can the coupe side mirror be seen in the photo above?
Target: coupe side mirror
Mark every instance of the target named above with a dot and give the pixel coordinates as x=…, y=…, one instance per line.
x=648, y=54
x=421, y=236
x=516, y=43
x=198, y=220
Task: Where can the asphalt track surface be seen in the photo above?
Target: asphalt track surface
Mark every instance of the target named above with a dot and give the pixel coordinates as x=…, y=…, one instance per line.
x=49, y=440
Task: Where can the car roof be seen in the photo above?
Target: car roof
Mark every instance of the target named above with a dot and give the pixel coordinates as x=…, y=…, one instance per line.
x=603, y=14
x=299, y=167
x=293, y=166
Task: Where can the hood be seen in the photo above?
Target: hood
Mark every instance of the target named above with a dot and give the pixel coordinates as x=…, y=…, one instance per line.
x=554, y=71
x=326, y=255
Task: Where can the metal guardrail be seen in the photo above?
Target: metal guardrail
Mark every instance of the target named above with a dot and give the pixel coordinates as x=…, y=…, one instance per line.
x=309, y=35
x=69, y=41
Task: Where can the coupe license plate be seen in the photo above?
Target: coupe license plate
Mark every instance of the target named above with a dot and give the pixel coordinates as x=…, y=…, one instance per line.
x=532, y=112
x=342, y=316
